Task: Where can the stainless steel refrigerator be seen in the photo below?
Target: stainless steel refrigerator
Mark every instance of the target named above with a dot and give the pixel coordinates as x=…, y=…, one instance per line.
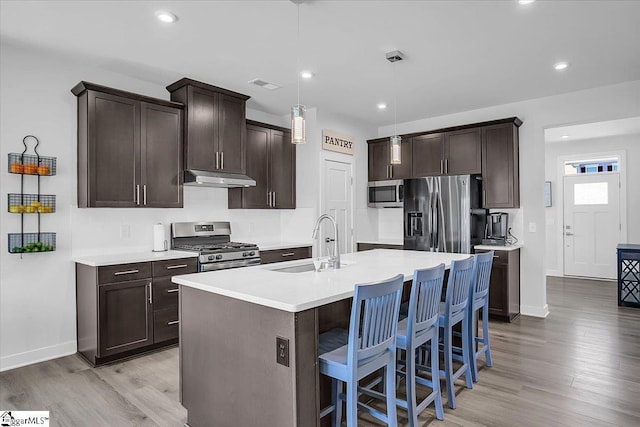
x=443, y=213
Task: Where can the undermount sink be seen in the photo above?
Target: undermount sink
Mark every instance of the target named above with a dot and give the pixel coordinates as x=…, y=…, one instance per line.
x=303, y=268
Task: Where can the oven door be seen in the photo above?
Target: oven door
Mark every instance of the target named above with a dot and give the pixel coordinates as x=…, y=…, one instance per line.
x=385, y=194
x=213, y=266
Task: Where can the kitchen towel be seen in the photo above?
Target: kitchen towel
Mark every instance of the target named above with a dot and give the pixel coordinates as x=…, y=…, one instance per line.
x=159, y=238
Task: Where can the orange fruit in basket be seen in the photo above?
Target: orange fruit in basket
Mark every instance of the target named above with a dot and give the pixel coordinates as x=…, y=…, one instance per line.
x=16, y=168
x=43, y=170
x=30, y=169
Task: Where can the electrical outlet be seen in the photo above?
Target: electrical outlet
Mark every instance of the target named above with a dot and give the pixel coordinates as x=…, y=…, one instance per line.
x=282, y=351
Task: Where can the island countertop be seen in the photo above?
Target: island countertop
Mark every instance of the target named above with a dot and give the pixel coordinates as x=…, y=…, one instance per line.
x=295, y=292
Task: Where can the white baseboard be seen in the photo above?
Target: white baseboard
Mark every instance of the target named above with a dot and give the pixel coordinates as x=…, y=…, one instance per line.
x=554, y=273
x=534, y=311
x=38, y=355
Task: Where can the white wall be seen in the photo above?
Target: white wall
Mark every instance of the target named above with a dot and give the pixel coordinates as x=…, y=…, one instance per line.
x=630, y=145
x=37, y=292
x=593, y=105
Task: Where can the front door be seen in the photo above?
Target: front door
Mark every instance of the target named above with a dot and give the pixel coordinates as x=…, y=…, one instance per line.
x=337, y=203
x=591, y=224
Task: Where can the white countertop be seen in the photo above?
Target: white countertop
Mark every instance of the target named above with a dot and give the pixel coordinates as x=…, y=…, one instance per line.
x=269, y=246
x=128, y=258
x=294, y=292
x=399, y=242
x=499, y=248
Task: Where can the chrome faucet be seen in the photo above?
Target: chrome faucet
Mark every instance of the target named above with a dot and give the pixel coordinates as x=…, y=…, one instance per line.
x=334, y=259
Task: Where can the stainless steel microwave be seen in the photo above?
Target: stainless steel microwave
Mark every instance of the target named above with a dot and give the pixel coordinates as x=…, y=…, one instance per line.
x=385, y=194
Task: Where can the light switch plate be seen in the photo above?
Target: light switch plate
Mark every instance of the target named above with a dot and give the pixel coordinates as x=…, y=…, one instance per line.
x=282, y=351
x=532, y=227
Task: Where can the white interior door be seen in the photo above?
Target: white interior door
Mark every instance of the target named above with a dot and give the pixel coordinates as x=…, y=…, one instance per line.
x=337, y=202
x=591, y=224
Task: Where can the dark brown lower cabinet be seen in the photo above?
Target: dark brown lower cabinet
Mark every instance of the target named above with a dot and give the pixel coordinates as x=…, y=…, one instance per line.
x=126, y=309
x=288, y=254
x=504, y=287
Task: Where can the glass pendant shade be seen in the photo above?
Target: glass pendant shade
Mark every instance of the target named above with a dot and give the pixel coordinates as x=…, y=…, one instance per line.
x=396, y=152
x=298, y=134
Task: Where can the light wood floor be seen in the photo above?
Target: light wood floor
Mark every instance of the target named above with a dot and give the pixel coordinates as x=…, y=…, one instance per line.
x=578, y=367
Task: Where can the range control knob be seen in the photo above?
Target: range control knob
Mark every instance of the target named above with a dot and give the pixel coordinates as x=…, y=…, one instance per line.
x=218, y=256
x=252, y=253
x=245, y=254
x=211, y=257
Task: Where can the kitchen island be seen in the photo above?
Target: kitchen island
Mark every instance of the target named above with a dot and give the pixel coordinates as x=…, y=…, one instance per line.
x=231, y=321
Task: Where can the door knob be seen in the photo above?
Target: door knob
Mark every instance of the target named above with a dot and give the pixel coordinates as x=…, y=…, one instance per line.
x=568, y=233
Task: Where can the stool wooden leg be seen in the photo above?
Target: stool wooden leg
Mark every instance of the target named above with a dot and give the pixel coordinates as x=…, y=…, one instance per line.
x=336, y=389
x=466, y=357
x=435, y=377
x=390, y=372
x=471, y=342
x=448, y=368
x=410, y=385
x=485, y=334
x=352, y=402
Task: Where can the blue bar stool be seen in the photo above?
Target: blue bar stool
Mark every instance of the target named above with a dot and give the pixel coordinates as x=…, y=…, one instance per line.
x=371, y=346
x=420, y=327
x=479, y=299
x=453, y=311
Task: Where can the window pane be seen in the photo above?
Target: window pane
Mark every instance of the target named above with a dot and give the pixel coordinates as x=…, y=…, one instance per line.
x=593, y=193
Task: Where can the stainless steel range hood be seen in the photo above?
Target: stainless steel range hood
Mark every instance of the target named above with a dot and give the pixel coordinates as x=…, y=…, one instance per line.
x=194, y=177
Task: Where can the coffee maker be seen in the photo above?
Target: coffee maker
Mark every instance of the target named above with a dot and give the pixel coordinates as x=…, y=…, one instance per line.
x=497, y=229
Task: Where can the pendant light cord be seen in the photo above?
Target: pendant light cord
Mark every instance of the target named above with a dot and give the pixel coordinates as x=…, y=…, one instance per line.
x=298, y=52
x=395, y=102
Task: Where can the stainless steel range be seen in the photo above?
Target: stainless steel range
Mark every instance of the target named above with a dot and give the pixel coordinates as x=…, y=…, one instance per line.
x=212, y=240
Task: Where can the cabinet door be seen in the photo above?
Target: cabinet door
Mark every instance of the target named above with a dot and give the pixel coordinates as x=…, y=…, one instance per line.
x=404, y=169
x=126, y=318
x=379, y=161
x=500, y=176
x=114, y=150
x=161, y=155
x=499, y=291
x=257, y=168
x=202, y=130
x=463, y=152
x=283, y=170
x=232, y=134
x=427, y=155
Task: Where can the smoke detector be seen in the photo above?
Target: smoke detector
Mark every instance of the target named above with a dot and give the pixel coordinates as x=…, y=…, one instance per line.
x=265, y=84
x=394, y=56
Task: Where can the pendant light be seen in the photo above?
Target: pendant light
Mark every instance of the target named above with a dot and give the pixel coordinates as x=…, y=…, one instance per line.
x=395, y=141
x=298, y=133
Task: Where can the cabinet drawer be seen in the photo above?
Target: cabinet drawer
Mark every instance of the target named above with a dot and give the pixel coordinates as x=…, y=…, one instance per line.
x=124, y=272
x=289, y=254
x=165, y=293
x=370, y=246
x=165, y=324
x=174, y=267
x=499, y=257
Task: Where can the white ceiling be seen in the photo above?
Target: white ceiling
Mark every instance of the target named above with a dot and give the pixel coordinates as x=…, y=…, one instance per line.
x=593, y=130
x=460, y=55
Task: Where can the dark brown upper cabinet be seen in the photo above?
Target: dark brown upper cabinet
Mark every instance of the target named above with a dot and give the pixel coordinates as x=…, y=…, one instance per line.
x=500, y=172
x=215, y=134
x=271, y=161
x=463, y=152
x=129, y=149
x=380, y=167
x=428, y=152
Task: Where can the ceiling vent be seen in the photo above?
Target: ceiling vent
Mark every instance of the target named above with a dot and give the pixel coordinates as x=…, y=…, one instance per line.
x=264, y=84
x=395, y=56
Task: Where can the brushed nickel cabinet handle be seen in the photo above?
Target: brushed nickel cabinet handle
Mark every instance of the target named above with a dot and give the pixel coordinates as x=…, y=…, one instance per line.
x=150, y=293
x=269, y=198
x=222, y=160
x=217, y=160
x=289, y=254
x=144, y=194
x=441, y=167
x=446, y=165
x=138, y=194
x=496, y=256
x=173, y=267
x=175, y=322
x=120, y=273
x=170, y=291
x=274, y=200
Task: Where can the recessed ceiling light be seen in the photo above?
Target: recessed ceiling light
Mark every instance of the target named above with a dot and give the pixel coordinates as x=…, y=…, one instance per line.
x=382, y=106
x=564, y=136
x=306, y=74
x=166, y=17
x=524, y=2
x=559, y=66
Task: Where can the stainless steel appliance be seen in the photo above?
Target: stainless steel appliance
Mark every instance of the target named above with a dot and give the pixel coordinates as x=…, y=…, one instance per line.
x=385, y=194
x=212, y=241
x=497, y=229
x=443, y=213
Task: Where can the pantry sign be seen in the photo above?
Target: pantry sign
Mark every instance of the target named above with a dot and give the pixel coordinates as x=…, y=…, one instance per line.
x=333, y=141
